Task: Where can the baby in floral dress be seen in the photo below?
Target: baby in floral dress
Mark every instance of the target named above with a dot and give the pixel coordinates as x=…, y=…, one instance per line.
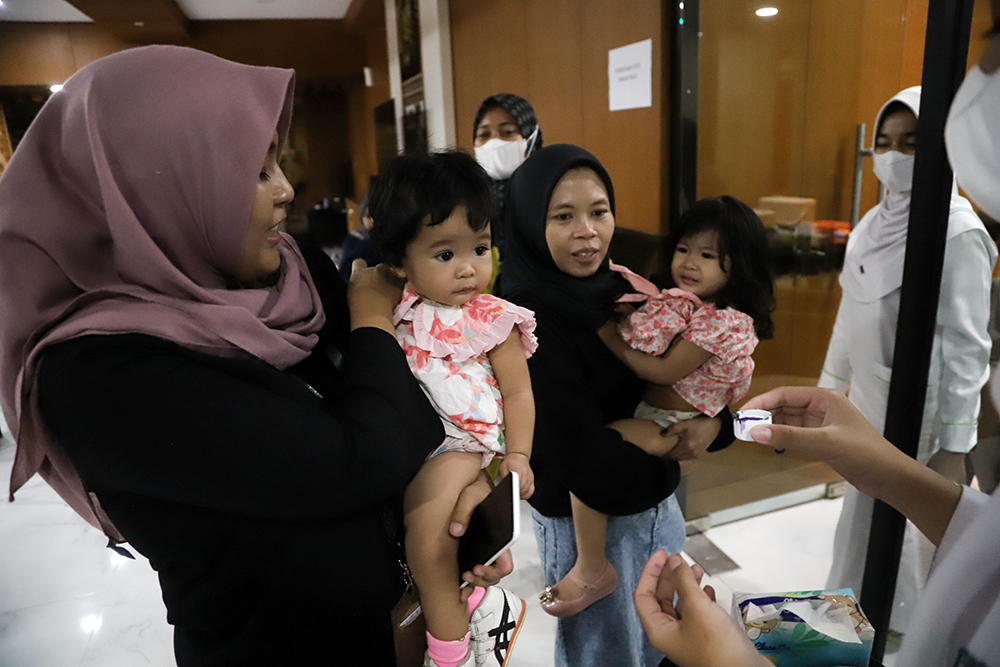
x=691, y=342
x=469, y=353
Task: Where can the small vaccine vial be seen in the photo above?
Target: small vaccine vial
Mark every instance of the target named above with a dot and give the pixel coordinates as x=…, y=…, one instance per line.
x=745, y=420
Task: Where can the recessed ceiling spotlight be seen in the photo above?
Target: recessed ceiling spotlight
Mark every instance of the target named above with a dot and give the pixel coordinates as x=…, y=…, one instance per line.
x=139, y=24
x=56, y=87
x=766, y=11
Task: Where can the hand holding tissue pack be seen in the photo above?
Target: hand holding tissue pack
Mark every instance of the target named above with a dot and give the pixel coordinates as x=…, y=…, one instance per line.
x=806, y=629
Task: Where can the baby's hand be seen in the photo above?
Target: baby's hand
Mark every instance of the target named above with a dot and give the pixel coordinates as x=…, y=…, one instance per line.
x=517, y=462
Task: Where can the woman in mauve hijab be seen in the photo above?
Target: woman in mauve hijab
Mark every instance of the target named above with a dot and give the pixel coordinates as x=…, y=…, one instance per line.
x=192, y=382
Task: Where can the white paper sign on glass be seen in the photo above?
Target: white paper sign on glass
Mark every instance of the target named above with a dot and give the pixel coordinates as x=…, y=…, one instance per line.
x=630, y=76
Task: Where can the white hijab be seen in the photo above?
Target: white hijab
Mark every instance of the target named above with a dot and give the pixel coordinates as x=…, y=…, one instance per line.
x=876, y=249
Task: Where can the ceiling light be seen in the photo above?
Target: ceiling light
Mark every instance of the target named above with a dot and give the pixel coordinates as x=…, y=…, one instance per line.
x=139, y=24
x=767, y=11
x=56, y=87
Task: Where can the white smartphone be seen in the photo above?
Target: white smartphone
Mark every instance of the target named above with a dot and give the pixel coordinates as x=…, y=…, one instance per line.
x=494, y=526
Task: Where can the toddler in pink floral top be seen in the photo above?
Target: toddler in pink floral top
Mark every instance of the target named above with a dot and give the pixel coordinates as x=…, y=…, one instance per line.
x=469, y=353
x=692, y=343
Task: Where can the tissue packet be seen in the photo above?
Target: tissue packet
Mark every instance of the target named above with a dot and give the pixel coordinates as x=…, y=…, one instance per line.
x=806, y=629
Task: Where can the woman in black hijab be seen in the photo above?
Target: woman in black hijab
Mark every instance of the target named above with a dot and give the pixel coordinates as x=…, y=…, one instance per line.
x=560, y=220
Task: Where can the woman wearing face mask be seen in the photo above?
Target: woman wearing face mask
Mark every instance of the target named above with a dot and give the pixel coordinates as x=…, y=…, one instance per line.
x=957, y=621
x=505, y=132
x=860, y=354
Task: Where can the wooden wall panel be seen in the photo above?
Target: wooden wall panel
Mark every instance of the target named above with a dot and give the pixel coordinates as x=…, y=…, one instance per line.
x=835, y=32
x=630, y=143
x=324, y=55
x=914, y=32
x=555, y=81
x=555, y=54
x=33, y=54
x=314, y=49
x=879, y=76
x=370, y=26
x=752, y=100
x=982, y=20
x=489, y=48
x=43, y=53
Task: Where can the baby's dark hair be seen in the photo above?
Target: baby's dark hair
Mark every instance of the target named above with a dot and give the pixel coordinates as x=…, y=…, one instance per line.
x=750, y=287
x=420, y=187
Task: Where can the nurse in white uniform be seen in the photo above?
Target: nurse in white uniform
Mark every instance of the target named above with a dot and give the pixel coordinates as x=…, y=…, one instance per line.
x=957, y=620
x=861, y=348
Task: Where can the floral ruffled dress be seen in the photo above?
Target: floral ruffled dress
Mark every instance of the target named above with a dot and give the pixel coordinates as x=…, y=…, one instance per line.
x=725, y=332
x=446, y=348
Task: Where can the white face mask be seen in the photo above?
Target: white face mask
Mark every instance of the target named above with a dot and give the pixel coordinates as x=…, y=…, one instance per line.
x=972, y=137
x=500, y=158
x=894, y=170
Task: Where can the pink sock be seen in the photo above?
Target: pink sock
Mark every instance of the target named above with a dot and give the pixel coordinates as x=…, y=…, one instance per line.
x=447, y=654
x=477, y=596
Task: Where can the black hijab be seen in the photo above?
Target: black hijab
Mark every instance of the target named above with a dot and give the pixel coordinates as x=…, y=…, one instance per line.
x=529, y=272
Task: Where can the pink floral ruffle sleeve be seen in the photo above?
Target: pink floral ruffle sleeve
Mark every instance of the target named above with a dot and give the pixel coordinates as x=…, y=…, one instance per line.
x=447, y=347
x=656, y=323
x=729, y=335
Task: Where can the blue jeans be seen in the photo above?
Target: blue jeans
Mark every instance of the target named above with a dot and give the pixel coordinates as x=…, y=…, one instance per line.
x=608, y=633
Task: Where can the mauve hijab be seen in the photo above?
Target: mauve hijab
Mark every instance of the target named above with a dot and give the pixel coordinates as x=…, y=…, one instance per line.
x=125, y=209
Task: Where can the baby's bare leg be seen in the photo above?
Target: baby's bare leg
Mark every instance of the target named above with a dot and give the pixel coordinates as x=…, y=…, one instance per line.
x=591, y=528
x=431, y=551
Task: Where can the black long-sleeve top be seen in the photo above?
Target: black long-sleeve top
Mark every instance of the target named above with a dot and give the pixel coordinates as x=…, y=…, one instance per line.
x=259, y=495
x=580, y=386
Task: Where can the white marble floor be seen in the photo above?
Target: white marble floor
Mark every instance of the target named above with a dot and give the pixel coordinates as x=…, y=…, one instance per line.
x=66, y=600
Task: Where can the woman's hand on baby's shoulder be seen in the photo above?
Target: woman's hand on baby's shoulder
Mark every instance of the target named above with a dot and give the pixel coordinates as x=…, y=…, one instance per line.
x=380, y=281
x=372, y=294
x=517, y=462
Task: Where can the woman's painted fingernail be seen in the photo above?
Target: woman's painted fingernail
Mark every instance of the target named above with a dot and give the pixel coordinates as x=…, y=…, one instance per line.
x=779, y=451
